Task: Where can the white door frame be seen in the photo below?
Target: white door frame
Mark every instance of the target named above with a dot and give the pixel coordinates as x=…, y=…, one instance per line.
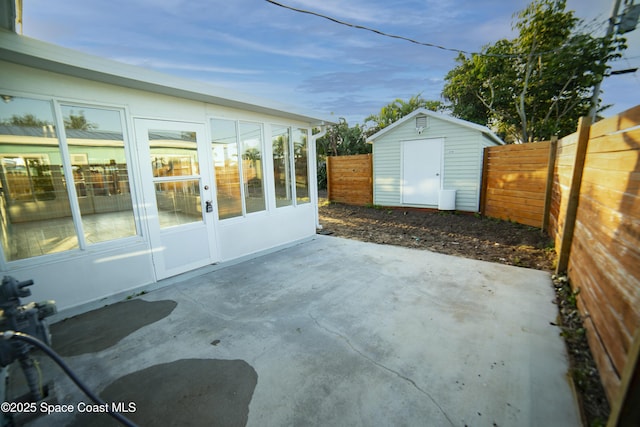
x=421, y=173
x=180, y=248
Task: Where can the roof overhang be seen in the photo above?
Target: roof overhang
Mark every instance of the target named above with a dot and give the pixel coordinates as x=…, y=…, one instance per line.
x=40, y=55
x=423, y=111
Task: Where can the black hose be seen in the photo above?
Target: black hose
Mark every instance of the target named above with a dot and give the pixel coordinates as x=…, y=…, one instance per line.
x=56, y=358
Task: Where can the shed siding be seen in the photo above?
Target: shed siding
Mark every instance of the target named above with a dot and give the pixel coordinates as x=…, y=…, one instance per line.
x=386, y=172
x=462, y=163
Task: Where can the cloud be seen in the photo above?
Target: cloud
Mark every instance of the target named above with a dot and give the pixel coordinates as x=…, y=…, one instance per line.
x=354, y=10
x=158, y=64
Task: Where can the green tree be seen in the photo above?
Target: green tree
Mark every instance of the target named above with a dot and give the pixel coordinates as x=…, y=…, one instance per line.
x=536, y=85
x=397, y=109
x=340, y=140
x=343, y=140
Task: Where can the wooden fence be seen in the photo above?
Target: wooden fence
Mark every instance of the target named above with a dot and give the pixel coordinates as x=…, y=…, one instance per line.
x=584, y=190
x=595, y=220
x=514, y=181
x=349, y=179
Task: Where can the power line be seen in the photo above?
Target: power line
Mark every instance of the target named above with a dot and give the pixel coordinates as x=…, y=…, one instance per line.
x=394, y=36
x=361, y=27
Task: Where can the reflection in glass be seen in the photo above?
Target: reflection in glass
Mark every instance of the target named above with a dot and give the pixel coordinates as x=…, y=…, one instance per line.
x=100, y=173
x=224, y=143
x=253, y=178
x=174, y=154
x=281, y=165
x=35, y=212
x=178, y=202
x=300, y=146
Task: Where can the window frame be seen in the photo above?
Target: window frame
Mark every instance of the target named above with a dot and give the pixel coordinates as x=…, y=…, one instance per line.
x=265, y=151
x=84, y=247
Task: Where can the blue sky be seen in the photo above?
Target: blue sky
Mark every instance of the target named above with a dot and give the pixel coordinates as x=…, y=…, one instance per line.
x=255, y=47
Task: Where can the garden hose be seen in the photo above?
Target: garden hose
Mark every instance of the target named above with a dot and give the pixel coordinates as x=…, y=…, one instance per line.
x=7, y=335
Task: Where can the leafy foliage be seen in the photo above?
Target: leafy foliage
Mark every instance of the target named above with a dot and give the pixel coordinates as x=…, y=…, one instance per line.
x=536, y=85
x=343, y=140
x=397, y=109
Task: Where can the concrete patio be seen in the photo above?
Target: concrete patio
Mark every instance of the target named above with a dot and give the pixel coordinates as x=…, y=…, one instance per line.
x=331, y=332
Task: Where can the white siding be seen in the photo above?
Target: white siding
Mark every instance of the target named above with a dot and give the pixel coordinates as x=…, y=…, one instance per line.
x=462, y=164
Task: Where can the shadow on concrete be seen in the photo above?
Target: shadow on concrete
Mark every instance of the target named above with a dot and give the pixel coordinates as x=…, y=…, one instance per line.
x=212, y=392
x=78, y=335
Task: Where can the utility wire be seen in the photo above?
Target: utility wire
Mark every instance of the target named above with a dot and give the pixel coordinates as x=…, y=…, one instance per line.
x=382, y=33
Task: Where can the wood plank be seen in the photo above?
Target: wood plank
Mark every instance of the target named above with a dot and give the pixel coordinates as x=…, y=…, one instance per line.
x=610, y=272
x=628, y=182
x=614, y=161
x=534, y=187
x=624, y=120
x=608, y=327
x=520, y=147
x=616, y=142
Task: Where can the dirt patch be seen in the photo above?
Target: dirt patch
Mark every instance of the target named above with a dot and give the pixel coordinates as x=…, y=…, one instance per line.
x=476, y=237
x=460, y=234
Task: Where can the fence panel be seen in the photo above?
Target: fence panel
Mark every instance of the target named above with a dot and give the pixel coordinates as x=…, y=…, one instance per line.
x=349, y=179
x=604, y=261
x=604, y=248
x=514, y=182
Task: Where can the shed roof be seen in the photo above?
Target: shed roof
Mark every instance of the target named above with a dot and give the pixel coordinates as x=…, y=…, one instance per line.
x=37, y=54
x=424, y=112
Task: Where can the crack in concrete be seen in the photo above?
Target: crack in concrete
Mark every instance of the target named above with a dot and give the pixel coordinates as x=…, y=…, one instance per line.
x=386, y=368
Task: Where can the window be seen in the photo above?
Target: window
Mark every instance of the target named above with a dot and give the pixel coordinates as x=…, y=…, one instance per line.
x=239, y=177
x=224, y=143
x=290, y=165
x=176, y=176
x=40, y=214
x=100, y=173
x=300, y=153
x=281, y=165
x=252, y=172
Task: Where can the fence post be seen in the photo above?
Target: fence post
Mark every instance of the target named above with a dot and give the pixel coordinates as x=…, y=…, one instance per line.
x=370, y=156
x=553, y=145
x=584, y=126
x=485, y=180
x=329, y=179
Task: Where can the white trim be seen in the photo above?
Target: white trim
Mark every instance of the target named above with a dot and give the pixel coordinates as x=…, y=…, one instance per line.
x=40, y=55
x=423, y=111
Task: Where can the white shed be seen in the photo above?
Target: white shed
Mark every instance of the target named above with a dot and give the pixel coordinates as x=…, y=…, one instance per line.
x=114, y=177
x=430, y=160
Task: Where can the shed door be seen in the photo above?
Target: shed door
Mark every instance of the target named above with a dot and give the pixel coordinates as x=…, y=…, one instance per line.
x=421, y=171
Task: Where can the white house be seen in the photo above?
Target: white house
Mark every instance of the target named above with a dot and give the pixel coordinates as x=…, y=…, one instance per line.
x=430, y=160
x=114, y=177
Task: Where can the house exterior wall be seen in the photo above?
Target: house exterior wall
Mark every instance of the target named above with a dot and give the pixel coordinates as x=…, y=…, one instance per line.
x=75, y=278
x=461, y=167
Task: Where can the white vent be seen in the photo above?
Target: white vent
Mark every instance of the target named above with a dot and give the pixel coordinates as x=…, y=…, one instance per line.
x=421, y=123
